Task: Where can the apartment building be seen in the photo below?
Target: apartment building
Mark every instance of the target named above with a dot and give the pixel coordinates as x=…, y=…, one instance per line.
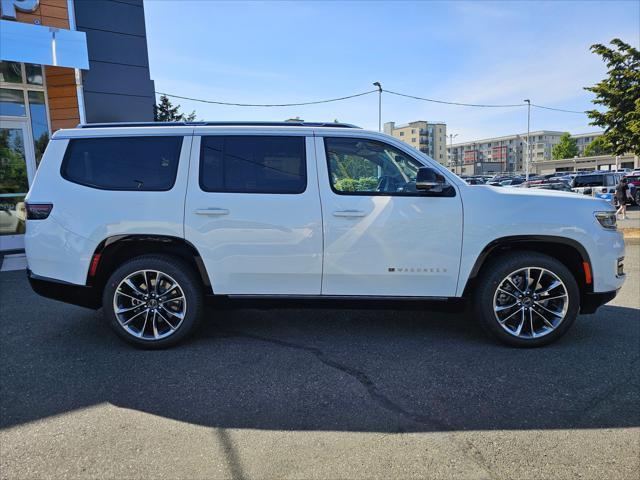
x=584, y=139
x=501, y=154
x=428, y=137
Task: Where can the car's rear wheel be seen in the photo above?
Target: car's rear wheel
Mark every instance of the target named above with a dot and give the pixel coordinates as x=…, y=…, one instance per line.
x=526, y=299
x=153, y=301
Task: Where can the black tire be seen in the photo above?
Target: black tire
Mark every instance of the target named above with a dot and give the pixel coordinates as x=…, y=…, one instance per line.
x=637, y=196
x=492, y=276
x=176, y=330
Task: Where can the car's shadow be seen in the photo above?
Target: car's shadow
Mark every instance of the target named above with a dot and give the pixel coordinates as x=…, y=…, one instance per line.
x=306, y=369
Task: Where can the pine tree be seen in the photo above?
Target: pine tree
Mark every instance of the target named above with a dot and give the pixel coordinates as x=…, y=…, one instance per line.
x=166, y=112
x=620, y=94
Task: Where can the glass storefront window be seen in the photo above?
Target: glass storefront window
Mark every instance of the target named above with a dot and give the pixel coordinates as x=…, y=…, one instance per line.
x=34, y=74
x=10, y=72
x=39, y=124
x=12, y=103
x=13, y=181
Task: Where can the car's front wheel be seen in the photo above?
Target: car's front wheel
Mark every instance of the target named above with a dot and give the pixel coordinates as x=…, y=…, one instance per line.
x=153, y=301
x=526, y=299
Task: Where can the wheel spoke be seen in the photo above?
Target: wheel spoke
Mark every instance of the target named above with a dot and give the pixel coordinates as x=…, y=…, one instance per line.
x=533, y=332
x=179, y=315
x=181, y=297
x=153, y=324
x=505, y=307
x=510, y=316
x=549, y=324
x=173, y=285
x=135, y=316
x=134, y=287
x=166, y=321
x=120, y=292
x=507, y=292
x=557, y=314
x=514, y=285
x=534, y=287
x=546, y=299
x=127, y=309
x=144, y=325
x=554, y=284
x=521, y=324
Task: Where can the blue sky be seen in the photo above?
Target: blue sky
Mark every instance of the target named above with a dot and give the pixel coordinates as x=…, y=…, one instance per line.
x=476, y=52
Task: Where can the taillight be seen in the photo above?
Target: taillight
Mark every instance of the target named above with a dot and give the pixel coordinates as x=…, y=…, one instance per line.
x=38, y=211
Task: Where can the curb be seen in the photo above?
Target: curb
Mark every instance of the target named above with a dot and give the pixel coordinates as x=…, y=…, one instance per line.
x=631, y=233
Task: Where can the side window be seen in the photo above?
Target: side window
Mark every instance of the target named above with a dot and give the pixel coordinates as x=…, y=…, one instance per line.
x=253, y=164
x=361, y=166
x=123, y=163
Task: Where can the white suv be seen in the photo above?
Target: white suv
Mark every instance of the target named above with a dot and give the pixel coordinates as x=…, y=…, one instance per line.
x=146, y=220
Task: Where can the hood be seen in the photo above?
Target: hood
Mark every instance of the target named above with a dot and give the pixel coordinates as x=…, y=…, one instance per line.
x=537, y=192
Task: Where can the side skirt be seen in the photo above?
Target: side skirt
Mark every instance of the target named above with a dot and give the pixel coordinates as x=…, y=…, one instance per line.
x=269, y=302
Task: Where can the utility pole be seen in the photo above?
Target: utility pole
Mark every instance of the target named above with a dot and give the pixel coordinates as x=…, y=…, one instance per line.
x=451, y=137
x=377, y=84
x=528, y=158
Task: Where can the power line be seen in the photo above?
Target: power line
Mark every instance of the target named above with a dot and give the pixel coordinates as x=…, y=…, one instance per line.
x=456, y=103
x=414, y=97
x=231, y=104
x=557, y=109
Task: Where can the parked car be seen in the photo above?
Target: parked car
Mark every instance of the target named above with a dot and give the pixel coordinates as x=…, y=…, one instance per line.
x=512, y=182
x=598, y=182
x=634, y=186
x=547, y=185
x=147, y=220
x=474, y=180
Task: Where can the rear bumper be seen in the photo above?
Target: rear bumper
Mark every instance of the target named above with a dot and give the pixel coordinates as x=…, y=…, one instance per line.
x=80, y=295
x=592, y=301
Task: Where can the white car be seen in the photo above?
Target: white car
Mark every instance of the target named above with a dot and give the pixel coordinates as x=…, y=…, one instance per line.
x=146, y=220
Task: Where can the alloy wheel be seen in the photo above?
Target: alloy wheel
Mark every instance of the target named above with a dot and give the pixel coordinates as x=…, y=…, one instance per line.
x=530, y=302
x=149, y=304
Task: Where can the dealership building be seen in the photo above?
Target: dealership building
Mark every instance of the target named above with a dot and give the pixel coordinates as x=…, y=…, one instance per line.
x=63, y=62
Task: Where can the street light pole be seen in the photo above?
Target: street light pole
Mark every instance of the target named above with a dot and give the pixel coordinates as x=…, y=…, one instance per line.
x=451, y=137
x=528, y=159
x=377, y=84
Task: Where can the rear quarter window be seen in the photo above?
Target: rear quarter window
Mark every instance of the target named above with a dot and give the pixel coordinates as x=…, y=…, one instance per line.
x=123, y=163
x=588, y=181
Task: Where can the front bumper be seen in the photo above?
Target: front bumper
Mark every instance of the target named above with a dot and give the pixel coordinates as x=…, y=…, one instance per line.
x=590, y=302
x=80, y=295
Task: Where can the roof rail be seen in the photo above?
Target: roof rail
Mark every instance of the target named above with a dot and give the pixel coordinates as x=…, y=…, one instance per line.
x=216, y=124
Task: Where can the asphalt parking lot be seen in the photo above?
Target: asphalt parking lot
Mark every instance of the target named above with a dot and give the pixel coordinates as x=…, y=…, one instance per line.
x=317, y=394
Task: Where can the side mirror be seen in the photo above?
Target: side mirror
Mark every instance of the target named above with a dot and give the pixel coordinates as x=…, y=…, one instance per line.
x=428, y=180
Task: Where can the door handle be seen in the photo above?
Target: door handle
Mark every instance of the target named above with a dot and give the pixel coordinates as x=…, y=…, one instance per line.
x=212, y=211
x=349, y=213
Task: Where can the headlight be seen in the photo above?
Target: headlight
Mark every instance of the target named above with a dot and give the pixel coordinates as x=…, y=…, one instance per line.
x=608, y=220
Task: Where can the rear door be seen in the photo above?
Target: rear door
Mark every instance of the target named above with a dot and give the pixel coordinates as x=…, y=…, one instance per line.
x=381, y=236
x=253, y=211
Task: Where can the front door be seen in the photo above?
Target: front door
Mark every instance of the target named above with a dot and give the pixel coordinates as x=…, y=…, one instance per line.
x=381, y=236
x=253, y=213
x=17, y=168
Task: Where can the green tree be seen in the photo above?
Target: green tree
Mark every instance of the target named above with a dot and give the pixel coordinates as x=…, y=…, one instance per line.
x=619, y=93
x=597, y=147
x=566, y=148
x=166, y=112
